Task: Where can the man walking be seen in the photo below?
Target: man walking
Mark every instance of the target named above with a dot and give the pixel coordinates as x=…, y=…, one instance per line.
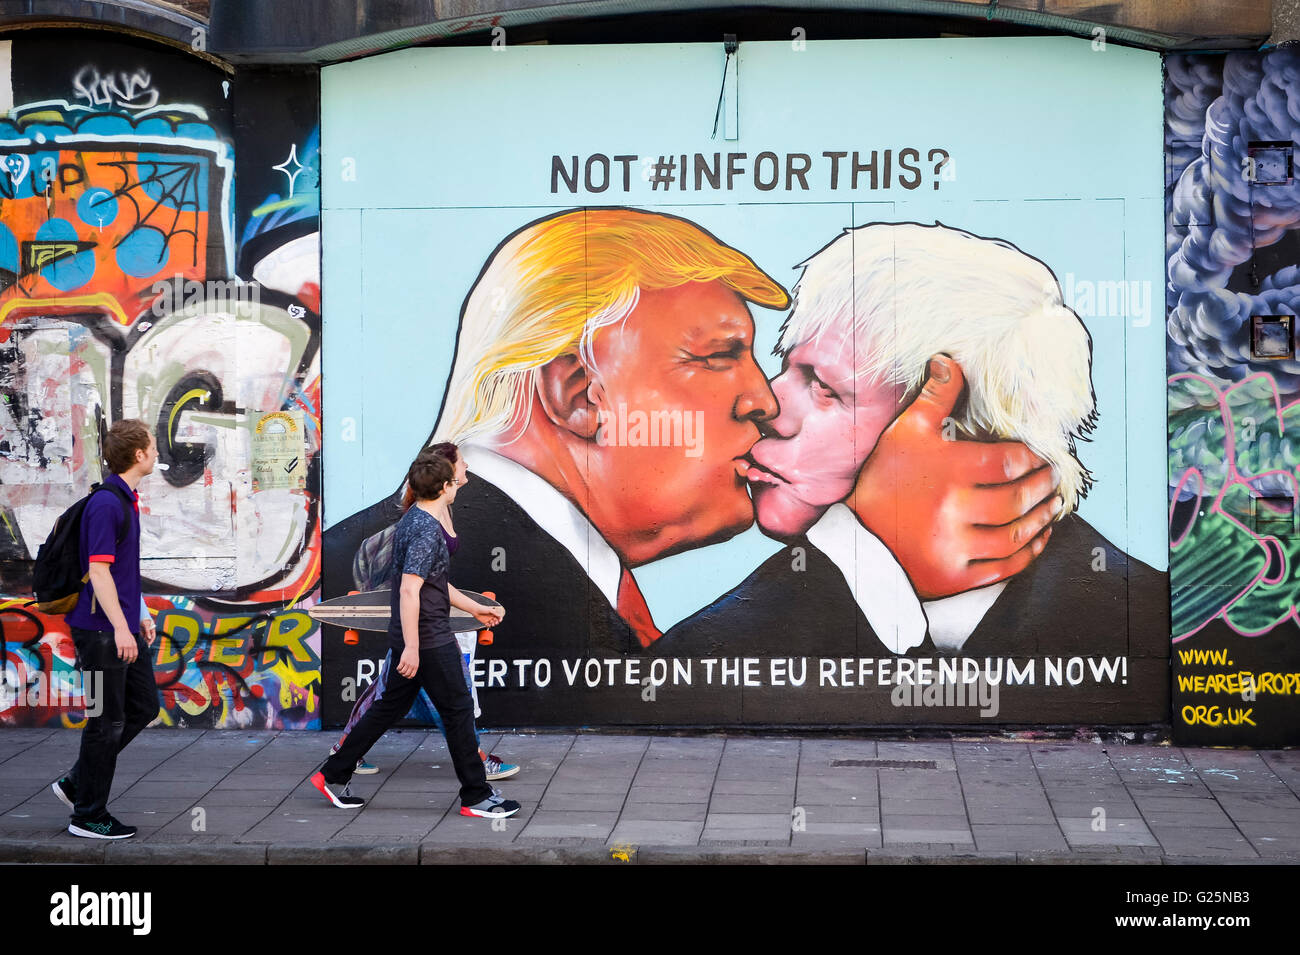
x=113, y=631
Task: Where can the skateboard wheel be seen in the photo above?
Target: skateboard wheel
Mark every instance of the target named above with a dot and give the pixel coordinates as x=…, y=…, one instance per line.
x=351, y=637
x=485, y=636
x=489, y=595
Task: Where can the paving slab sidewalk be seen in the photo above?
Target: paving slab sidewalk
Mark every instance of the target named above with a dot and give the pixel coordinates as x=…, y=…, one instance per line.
x=242, y=797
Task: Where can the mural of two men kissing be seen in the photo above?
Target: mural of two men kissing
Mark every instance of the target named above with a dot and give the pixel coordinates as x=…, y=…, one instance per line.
x=917, y=458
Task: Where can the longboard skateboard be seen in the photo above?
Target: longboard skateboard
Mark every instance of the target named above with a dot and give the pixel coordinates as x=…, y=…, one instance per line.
x=370, y=611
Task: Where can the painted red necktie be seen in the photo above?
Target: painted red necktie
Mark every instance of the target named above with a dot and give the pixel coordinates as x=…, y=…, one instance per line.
x=632, y=608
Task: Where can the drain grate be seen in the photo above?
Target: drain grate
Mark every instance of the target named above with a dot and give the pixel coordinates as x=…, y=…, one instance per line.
x=887, y=763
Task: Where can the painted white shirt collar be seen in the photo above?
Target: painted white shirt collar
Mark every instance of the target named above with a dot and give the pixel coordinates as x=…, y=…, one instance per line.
x=554, y=514
x=884, y=594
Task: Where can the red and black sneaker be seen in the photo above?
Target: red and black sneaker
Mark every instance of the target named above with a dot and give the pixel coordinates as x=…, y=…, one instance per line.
x=495, y=806
x=344, y=799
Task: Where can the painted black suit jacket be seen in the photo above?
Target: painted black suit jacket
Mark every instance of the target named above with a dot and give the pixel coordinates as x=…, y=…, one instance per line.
x=1062, y=604
x=553, y=610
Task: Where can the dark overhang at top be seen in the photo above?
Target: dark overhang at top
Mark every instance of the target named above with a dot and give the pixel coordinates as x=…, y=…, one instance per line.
x=327, y=31
x=324, y=31
x=182, y=23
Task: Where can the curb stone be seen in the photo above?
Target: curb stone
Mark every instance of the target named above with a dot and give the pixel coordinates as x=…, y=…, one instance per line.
x=81, y=851
x=528, y=855
x=1056, y=857
x=307, y=854
x=161, y=853
x=938, y=857
x=128, y=853
x=1231, y=861
x=749, y=855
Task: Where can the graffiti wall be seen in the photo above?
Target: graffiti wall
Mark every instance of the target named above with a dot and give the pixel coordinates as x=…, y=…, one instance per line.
x=810, y=385
x=1232, y=213
x=146, y=273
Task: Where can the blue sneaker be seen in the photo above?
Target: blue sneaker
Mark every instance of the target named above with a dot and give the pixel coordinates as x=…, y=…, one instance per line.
x=363, y=768
x=497, y=768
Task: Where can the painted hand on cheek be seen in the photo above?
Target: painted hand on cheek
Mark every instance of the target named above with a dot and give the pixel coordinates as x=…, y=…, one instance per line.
x=956, y=514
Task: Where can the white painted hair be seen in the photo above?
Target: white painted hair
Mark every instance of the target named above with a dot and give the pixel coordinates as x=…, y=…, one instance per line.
x=909, y=291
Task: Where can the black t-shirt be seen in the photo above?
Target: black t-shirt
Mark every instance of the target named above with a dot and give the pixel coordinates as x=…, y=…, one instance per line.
x=420, y=548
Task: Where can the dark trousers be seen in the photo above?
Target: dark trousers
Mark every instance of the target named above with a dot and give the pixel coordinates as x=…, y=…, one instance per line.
x=441, y=676
x=376, y=686
x=129, y=700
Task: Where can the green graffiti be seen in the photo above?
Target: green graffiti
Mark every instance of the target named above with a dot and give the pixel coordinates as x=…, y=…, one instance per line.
x=1209, y=567
x=1215, y=567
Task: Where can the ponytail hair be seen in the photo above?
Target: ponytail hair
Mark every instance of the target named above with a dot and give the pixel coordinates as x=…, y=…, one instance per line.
x=429, y=466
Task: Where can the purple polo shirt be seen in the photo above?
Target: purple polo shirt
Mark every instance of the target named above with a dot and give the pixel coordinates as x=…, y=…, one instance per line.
x=101, y=522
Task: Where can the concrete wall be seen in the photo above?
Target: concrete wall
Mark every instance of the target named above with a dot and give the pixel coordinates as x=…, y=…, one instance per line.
x=159, y=259
x=1232, y=210
x=434, y=160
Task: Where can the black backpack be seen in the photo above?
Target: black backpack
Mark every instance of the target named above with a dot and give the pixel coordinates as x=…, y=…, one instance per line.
x=57, y=578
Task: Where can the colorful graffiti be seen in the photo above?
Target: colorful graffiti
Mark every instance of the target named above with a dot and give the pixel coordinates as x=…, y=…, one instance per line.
x=1234, y=413
x=256, y=670
x=124, y=294
x=36, y=657
x=1229, y=463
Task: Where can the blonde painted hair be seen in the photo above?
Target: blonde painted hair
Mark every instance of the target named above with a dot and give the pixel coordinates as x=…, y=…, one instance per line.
x=908, y=291
x=552, y=285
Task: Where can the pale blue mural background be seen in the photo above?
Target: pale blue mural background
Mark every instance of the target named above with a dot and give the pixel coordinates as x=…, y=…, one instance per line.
x=422, y=181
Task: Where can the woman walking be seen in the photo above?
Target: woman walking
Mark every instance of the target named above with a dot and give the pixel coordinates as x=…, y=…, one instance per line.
x=420, y=637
